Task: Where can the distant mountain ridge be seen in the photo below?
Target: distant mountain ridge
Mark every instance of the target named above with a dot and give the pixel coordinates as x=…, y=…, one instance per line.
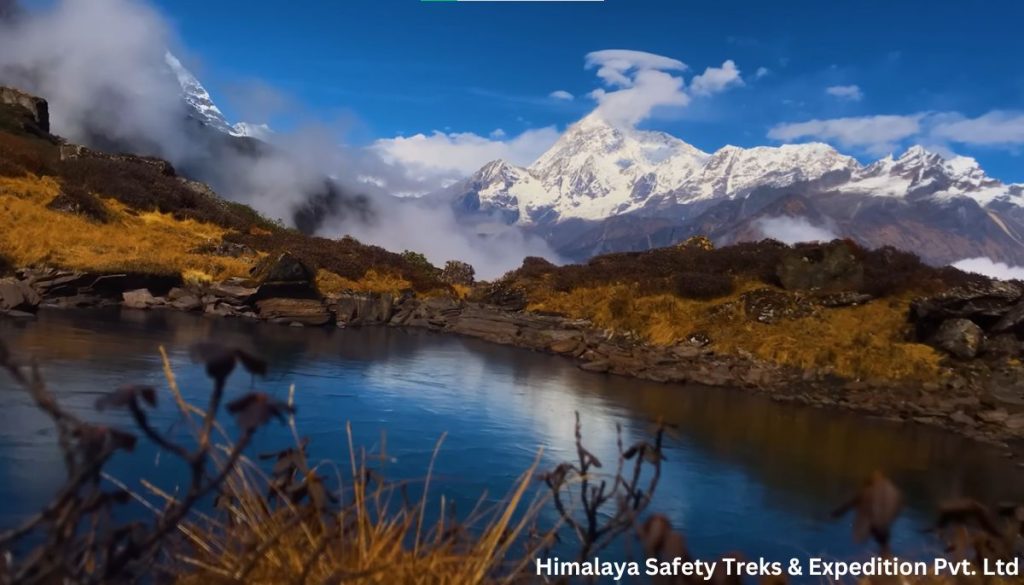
x=602, y=189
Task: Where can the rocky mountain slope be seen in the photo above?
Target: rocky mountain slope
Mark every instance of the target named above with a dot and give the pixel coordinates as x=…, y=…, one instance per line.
x=603, y=189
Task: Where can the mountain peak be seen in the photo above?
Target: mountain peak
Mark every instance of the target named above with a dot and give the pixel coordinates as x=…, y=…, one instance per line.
x=196, y=95
x=918, y=152
x=198, y=99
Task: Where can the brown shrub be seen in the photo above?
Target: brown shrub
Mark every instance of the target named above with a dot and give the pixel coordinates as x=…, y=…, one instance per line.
x=346, y=257
x=703, y=285
x=76, y=200
x=147, y=185
x=20, y=155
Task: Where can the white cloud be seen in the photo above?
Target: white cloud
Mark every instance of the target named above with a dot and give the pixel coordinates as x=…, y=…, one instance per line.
x=761, y=72
x=561, y=94
x=883, y=134
x=995, y=128
x=615, y=65
x=792, y=230
x=845, y=92
x=463, y=153
x=988, y=267
x=716, y=79
x=640, y=82
x=876, y=134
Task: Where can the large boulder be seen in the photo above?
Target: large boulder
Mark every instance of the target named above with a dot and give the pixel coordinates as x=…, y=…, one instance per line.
x=294, y=311
x=959, y=337
x=823, y=267
x=18, y=296
x=139, y=299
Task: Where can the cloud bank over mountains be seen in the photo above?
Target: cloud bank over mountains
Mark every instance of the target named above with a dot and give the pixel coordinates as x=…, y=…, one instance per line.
x=883, y=134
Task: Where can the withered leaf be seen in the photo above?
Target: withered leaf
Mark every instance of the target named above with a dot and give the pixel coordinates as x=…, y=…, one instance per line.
x=220, y=360
x=256, y=409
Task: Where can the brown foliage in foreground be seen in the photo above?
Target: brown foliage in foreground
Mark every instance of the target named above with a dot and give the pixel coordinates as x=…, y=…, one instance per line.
x=285, y=526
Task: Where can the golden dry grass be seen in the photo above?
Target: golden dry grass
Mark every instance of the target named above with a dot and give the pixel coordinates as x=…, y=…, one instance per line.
x=862, y=342
x=149, y=242
x=372, y=282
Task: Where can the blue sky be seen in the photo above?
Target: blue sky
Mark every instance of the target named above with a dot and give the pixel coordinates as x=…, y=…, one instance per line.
x=949, y=74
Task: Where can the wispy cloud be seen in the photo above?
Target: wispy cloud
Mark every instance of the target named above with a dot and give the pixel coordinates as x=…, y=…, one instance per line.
x=852, y=93
x=996, y=128
x=447, y=155
x=875, y=134
x=792, y=230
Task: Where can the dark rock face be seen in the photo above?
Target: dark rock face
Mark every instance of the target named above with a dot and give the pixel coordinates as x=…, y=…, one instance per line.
x=37, y=107
x=827, y=267
x=959, y=337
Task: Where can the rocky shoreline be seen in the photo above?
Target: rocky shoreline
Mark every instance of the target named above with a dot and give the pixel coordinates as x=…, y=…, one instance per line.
x=282, y=291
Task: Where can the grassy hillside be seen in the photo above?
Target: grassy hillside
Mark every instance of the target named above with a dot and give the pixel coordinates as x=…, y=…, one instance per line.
x=89, y=211
x=734, y=297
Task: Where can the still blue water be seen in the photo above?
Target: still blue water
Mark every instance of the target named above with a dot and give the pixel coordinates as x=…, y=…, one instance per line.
x=743, y=473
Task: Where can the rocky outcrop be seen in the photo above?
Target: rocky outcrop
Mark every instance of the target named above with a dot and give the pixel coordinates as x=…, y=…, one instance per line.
x=294, y=311
x=984, y=318
x=37, y=108
x=74, y=151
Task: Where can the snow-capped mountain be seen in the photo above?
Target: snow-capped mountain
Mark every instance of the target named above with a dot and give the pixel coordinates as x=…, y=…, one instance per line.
x=602, y=188
x=596, y=171
x=202, y=107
